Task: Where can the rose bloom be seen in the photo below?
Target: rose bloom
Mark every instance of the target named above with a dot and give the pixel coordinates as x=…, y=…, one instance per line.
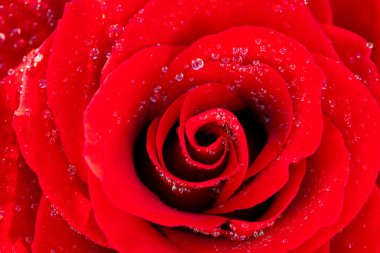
x=189, y=126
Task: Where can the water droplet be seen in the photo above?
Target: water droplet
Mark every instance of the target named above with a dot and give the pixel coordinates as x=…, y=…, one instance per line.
x=157, y=89
x=2, y=39
x=164, y=69
x=18, y=208
x=278, y=8
x=369, y=45
x=11, y=72
x=139, y=19
x=243, y=50
x=216, y=234
x=42, y=83
x=258, y=233
x=226, y=60
x=153, y=99
x=15, y=32
x=282, y=50
x=258, y=41
x=306, y=1
x=292, y=67
x=53, y=211
x=72, y=170
x=2, y=213
x=119, y=8
x=38, y=58
x=179, y=77
x=256, y=62
x=114, y=31
x=28, y=239
x=94, y=54
x=47, y=114
x=197, y=64
x=215, y=56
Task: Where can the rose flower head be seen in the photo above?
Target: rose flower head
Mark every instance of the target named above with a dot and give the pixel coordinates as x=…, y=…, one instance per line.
x=190, y=126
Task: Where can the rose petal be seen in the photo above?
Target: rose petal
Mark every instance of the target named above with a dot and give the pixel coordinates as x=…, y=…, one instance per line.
x=323, y=249
x=279, y=202
x=158, y=25
x=125, y=232
x=24, y=25
x=360, y=128
x=360, y=18
x=80, y=46
x=361, y=235
x=38, y=139
x=19, y=189
x=53, y=234
x=321, y=10
x=355, y=54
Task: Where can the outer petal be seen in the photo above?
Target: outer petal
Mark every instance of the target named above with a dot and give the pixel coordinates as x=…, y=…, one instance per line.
x=321, y=10
x=362, y=234
x=360, y=128
x=39, y=143
x=81, y=44
x=362, y=18
x=24, y=25
x=20, y=192
x=53, y=234
x=182, y=22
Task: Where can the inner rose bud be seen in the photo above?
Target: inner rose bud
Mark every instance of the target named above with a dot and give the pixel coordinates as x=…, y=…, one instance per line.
x=191, y=176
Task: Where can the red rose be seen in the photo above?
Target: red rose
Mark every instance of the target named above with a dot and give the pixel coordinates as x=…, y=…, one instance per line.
x=207, y=126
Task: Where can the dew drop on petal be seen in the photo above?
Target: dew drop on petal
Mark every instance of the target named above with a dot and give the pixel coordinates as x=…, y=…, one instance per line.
x=38, y=58
x=11, y=72
x=53, y=211
x=278, y=8
x=114, y=31
x=18, y=208
x=179, y=77
x=28, y=239
x=197, y=64
x=71, y=169
x=258, y=233
x=42, y=83
x=2, y=39
x=157, y=89
x=94, y=54
x=292, y=66
x=258, y=41
x=153, y=99
x=369, y=45
x=215, y=56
